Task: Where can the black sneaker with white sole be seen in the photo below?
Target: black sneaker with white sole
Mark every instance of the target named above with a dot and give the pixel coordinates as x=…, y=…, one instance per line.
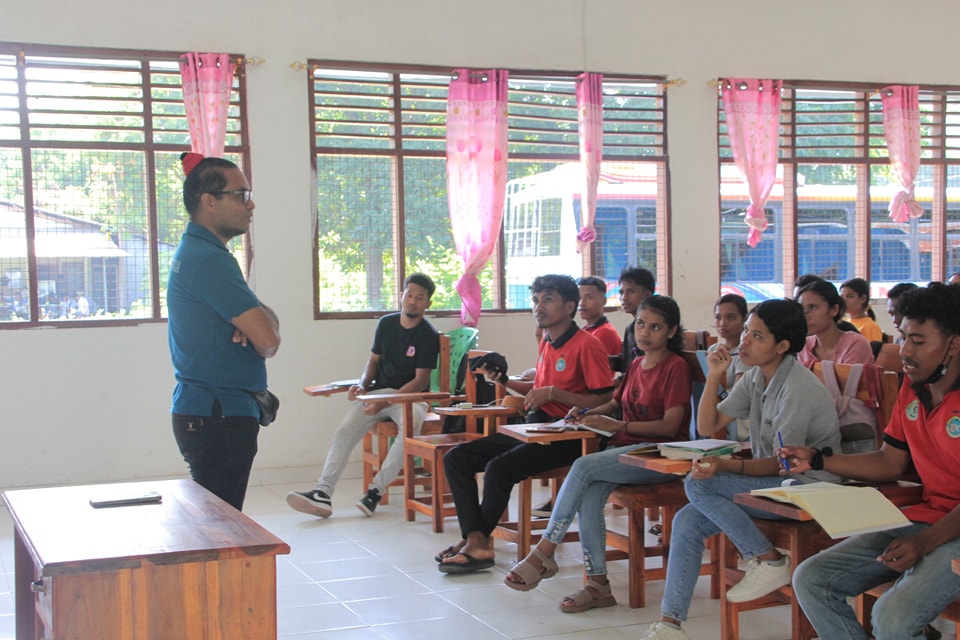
x=314, y=502
x=368, y=503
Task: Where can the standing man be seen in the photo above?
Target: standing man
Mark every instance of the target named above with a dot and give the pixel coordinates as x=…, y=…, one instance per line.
x=924, y=430
x=572, y=370
x=220, y=333
x=636, y=285
x=593, y=298
x=403, y=354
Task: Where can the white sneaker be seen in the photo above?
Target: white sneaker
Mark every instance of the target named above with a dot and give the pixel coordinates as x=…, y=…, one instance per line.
x=760, y=579
x=660, y=631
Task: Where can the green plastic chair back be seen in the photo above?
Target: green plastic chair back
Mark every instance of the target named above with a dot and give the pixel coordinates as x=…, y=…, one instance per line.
x=462, y=340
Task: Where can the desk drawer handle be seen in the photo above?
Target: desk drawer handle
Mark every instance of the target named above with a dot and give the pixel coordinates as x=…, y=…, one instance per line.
x=37, y=586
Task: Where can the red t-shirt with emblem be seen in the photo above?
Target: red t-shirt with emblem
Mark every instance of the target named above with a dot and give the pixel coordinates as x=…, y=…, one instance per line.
x=933, y=440
x=575, y=362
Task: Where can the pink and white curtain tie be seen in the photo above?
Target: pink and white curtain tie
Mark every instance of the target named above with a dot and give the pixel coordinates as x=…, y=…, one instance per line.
x=476, y=175
x=752, y=109
x=590, y=129
x=901, y=127
x=207, y=82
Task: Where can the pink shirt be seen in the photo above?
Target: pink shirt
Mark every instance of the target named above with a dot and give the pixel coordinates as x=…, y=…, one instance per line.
x=852, y=348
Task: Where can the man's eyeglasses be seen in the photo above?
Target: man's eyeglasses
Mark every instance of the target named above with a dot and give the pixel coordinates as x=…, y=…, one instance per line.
x=245, y=194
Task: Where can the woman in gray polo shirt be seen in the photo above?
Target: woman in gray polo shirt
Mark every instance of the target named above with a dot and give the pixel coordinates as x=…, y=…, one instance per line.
x=780, y=398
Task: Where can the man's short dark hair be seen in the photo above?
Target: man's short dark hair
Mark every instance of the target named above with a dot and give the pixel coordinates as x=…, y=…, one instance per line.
x=207, y=177
x=422, y=280
x=736, y=300
x=564, y=285
x=938, y=302
x=785, y=320
x=900, y=288
x=640, y=277
x=593, y=281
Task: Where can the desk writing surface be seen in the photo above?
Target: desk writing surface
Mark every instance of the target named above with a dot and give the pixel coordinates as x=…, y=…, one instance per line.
x=480, y=412
x=421, y=396
x=655, y=462
x=522, y=432
x=65, y=534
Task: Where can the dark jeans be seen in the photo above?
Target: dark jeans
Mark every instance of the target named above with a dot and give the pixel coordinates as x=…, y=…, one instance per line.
x=505, y=461
x=219, y=452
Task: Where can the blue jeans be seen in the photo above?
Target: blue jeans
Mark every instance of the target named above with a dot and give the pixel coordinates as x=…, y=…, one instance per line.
x=585, y=491
x=823, y=582
x=711, y=510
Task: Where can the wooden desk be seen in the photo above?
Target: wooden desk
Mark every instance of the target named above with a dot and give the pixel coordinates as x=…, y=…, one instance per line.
x=191, y=567
x=492, y=415
x=330, y=388
x=655, y=462
x=407, y=400
x=899, y=493
x=523, y=433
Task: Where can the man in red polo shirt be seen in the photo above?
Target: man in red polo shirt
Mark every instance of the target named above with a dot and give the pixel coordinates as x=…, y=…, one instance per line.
x=572, y=370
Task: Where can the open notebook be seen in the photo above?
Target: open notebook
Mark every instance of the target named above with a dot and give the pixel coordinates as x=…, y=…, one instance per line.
x=841, y=510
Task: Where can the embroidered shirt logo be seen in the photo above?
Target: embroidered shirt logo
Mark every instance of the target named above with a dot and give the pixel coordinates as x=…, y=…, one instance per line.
x=561, y=365
x=411, y=351
x=913, y=410
x=953, y=427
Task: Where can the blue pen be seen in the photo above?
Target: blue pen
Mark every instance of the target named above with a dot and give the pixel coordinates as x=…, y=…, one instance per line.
x=579, y=413
x=786, y=463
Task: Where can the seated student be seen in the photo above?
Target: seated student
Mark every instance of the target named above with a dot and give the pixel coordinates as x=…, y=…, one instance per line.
x=802, y=282
x=636, y=285
x=778, y=395
x=655, y=400
x=823, y=308
x=856, y=295
x=403, y=354
x=923, y=430
x=954, y=278
x=729, y=315
x=572, y=370
x=893, y=297
x=593, y=298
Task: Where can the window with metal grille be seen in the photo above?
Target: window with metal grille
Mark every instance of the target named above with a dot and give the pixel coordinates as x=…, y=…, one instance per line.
x=90, y=182
x=828, y=210
x=379, y=150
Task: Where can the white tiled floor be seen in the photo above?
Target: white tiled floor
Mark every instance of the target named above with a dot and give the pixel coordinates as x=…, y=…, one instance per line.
x=357, y=578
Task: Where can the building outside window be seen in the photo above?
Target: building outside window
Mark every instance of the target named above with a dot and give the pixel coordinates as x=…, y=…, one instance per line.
x=379, y=155
x=90, y=182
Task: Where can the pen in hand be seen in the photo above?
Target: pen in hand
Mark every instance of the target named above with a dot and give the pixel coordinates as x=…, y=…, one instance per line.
x=784, y=461
x=576, y=415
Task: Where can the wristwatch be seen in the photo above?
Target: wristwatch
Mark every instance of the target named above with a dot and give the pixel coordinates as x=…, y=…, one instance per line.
x=816, y=462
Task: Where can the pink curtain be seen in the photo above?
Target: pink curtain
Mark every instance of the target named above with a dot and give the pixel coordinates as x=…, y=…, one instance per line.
x=476, y=174
x=207, y=79
x=752, y=109
x=590, y=127
x=901, y=126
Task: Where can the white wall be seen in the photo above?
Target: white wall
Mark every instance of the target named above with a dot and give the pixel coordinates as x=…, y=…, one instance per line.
x=88, y=405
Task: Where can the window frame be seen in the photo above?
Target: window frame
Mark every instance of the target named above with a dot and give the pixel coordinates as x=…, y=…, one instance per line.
x=397, y=153
x=148, y=147
x=940, y=150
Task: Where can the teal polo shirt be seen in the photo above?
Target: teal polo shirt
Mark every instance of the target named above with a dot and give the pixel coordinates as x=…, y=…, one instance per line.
x=205, y=291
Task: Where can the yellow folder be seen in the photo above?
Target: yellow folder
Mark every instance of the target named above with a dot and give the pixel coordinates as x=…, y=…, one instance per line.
x=841, y=510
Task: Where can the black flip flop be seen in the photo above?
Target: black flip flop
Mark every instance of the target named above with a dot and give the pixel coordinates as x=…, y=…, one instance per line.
x=470, y=566
x=449, y=552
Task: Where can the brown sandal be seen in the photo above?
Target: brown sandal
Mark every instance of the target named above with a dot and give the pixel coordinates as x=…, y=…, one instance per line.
x=593, y=596
x=529, y=574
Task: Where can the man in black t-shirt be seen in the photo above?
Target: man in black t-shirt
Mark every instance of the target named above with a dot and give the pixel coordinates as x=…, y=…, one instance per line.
x=403, y=354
